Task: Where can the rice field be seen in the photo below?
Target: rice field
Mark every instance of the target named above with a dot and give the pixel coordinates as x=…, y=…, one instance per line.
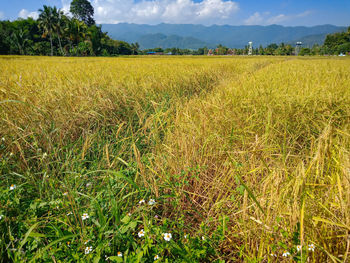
x=174, y=159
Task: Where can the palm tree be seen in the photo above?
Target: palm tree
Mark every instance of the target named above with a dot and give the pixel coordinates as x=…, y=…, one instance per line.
x=20, y=40
x=58, y=17
x=76, y=31
x=135, y=48
x=47, y=23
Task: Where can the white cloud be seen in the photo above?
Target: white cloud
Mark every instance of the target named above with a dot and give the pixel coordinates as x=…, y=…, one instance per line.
x=255, y=19
x=278, y=19
x=167, y=11
x=24, y=13
x=265, y=18
x=65, y=6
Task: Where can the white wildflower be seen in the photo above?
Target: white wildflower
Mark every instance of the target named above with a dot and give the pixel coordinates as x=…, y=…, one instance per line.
x=88, y=250
x=65, y=193
x=87, y=241
x=88, y=184
x=298, y=248
x=85, y=216
x=285, y=254
x=120, y=254
x=167, y=236
x=70, y=213
x=44, y=155
x=1, y=217
x=156, y=257
x=151, y=202
x=203, y=237
x=142, y=201
x=141, y=233
x=12, y=187
x=312, y=247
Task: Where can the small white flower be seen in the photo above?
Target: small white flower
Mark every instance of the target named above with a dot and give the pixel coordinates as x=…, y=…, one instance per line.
x=285, y=253
x=142, y=201
x=44, y=155
x=11, y=153
x=203, y=237
x=120, y=254
x=167, y=236
x=65, y=193
x=70, y=213
x=312, y=247
x=1, y=217
x=141, y=233
x=88, y=250
x=87, y=241
x=151, y=202
x=88, y=184
x=85, y=216
x=185, y=236
x=273, y=255
x=129, y=214
x=298, y=248
x=13, y=187
x=156, y=257
x=3, y=139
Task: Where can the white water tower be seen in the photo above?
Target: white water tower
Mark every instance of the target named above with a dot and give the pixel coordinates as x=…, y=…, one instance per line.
x=298, y=48
x=250, y=51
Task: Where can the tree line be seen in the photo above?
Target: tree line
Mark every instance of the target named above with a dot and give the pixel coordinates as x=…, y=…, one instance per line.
x=57, y=34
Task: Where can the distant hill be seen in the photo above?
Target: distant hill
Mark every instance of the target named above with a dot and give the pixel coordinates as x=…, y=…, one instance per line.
x=161, y=40
x=309, y=41
x=194, y=36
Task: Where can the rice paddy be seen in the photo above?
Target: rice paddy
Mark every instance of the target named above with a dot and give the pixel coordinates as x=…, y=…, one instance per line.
x=174, y=159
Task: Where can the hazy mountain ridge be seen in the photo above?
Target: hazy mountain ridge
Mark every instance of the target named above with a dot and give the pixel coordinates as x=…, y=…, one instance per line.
x=194, y=36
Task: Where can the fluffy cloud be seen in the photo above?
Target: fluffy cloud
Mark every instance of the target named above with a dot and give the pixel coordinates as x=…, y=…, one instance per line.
x=167, y=11
x=25, y=14
x=265, y=18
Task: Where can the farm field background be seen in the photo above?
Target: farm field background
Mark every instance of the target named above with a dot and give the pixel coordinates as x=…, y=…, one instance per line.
x=240, y=159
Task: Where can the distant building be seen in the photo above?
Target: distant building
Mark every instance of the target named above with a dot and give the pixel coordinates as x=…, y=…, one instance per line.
x=250, y=50
x=210, y=52
x=298, y=47
x=230, y=52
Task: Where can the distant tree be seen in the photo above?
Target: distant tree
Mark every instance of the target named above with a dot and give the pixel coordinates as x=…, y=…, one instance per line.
x=83, y=10
x=19, y=39
x=135, y=48
x=270, y=49
x=337, y=43
x=221, y=50
x=304, y=52
x=47, y=22
x=289, y=50
x=59, y=24
x=158, y=49
x=261, y=50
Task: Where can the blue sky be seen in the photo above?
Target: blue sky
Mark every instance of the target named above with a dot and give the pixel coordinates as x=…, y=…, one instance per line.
x=207, y=12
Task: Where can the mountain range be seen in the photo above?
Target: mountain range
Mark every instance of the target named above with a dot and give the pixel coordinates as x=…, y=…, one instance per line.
x=195, y=36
